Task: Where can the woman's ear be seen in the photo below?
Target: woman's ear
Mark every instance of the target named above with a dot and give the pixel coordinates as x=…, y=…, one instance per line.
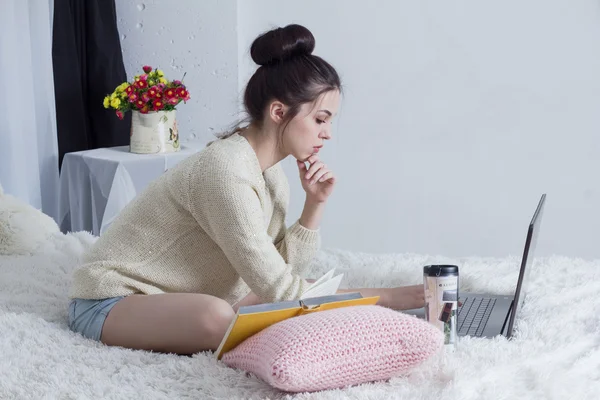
x=277, y=111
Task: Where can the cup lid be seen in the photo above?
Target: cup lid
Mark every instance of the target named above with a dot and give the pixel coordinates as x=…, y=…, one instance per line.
x=440, y=270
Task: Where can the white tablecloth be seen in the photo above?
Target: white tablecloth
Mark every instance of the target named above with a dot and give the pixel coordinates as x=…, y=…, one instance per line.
x=95, y=185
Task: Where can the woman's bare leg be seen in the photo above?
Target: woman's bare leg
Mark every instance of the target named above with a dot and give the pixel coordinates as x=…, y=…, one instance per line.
x=398, y=298
x=250, y=300
x=179, y=323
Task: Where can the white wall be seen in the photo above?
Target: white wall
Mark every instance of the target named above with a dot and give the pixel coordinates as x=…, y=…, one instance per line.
x=196, y=37
x=456, y=117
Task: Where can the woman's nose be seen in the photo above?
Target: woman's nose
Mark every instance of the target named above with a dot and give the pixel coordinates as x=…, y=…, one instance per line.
x=325, y=134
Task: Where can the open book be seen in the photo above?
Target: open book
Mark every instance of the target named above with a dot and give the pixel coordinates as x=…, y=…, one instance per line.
x=320, y=296
x=324, y=286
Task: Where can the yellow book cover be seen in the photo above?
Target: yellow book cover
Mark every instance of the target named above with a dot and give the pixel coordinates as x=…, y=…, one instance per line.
x=250, y=320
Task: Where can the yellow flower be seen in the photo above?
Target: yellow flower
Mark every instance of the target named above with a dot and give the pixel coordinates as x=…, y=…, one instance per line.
x=160, y=72
x=162, y=80
x=151, y=82
x=106, y=102
x=113, y=96
x=115, y=103
x=122, y=87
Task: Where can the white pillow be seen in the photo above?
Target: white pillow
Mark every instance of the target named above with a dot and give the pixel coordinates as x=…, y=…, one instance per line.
x=23, y=229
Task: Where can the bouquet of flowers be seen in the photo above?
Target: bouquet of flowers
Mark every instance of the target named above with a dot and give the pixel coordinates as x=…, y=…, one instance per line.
x=148, y=92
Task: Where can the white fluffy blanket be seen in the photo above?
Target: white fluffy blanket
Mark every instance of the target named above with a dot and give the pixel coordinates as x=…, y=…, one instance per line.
x=555, y=354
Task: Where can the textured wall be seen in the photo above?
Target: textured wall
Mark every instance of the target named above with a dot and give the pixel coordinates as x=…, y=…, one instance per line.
x=456, y=117
x=197, y=37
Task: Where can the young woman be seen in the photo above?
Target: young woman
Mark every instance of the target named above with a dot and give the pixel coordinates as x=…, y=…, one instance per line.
x=209, y=235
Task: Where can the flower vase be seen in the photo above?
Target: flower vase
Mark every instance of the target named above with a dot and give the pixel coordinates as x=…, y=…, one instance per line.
x=153, y=132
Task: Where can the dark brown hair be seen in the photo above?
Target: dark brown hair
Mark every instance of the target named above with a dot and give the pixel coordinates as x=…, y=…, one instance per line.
x=288, y=72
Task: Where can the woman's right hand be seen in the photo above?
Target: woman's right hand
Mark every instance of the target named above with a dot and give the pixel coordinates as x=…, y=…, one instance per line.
x=317, y=180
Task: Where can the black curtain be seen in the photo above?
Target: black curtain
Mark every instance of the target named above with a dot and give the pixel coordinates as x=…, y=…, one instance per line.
x=88, y=64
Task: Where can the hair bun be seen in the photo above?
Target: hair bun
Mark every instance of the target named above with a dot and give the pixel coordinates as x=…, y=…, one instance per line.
x=282, y=44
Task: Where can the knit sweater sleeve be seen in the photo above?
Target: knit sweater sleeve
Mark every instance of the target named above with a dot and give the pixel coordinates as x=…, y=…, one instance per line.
x=225, y=203
x=298, y=246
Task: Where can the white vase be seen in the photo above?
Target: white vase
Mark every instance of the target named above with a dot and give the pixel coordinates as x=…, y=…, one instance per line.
x=154, y=132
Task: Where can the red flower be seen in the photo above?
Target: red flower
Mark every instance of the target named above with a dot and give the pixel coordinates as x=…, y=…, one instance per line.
x=144, y=110
x=146, y=97
x=183, y=94
x=158, y=105
x=119, y=114
x=133, y=97
x=161, y=85
x=173, y=100
x=154, y=91
x=129, y=89
x=140, y=103
x=147, y=69
x=141, y=83
x=177, y=82
x=170, y=92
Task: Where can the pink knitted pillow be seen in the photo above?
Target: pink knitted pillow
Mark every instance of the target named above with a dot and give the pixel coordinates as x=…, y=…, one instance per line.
x=336, y=348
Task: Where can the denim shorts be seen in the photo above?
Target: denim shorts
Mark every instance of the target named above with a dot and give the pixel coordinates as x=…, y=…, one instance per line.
x=87, y=316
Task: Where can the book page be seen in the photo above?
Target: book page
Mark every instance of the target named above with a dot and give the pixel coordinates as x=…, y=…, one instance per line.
x=325, y=288
x=317, y=301
x=322, y=279
x=282, y=305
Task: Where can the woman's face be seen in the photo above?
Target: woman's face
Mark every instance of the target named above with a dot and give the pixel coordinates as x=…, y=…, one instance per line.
x=307, y=132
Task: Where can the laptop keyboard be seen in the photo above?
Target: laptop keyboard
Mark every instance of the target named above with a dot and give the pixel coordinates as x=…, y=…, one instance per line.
x=474, y=315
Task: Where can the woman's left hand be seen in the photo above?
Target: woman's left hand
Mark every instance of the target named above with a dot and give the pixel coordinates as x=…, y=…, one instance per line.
x=404, y=297
x=317, y=181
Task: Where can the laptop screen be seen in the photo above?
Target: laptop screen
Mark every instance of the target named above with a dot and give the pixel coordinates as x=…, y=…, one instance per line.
x=526, y=261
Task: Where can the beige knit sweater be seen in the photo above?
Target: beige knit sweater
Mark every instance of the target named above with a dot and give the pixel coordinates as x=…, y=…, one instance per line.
x=213, y=224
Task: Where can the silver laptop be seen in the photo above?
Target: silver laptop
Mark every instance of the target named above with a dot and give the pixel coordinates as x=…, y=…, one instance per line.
x=487, y=315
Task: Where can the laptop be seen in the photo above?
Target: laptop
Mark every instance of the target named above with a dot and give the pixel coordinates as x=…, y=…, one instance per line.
x=487, y=315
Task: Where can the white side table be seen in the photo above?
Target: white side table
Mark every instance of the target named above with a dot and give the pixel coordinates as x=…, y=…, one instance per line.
x=95, y=185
